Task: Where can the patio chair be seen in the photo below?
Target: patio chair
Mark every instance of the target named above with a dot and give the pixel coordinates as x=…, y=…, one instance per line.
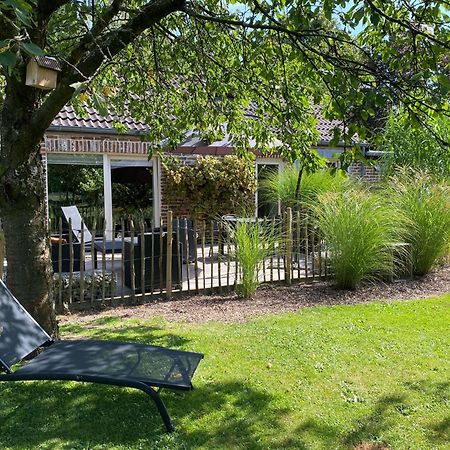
x=72, y=214
x=125, y=364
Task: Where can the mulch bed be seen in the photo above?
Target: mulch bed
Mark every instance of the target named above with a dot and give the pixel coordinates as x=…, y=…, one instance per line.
x=273, y=299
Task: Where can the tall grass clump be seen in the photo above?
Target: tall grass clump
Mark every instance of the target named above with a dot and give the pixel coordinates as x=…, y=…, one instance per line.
x=283, y=185
x=253, y=242
x=358, y=228
x=425, y=202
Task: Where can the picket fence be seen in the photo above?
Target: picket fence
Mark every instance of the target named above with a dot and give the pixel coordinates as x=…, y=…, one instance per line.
x=130, y=264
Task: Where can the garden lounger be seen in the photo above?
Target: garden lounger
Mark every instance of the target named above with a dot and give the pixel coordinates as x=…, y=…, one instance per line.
x=73, y=216
x=126, y=364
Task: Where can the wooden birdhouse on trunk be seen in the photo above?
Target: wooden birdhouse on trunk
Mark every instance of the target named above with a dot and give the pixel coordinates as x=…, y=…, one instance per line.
x=42, y=72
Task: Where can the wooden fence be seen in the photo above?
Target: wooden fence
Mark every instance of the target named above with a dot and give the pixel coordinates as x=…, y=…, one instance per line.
x=139, y=262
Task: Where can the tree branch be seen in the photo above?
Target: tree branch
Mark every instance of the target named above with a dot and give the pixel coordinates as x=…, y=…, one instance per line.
x=101, y=24
x=110, y=44
x=46, y=8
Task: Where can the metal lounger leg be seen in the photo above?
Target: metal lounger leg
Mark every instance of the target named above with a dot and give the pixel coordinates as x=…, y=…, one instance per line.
x=161, y=408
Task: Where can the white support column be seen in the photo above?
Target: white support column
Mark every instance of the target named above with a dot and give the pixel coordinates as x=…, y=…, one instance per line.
x=107, y=197
x=156, y=190
x=47, y=207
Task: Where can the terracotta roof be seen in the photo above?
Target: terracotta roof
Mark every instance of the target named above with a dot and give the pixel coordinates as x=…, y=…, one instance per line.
x=324, y=126
x=69, y=120
x=93, y=121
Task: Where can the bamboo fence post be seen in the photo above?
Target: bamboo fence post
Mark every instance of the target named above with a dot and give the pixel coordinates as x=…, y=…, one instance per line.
x=306, y=248
x=186, y=255
x=60, y=264
x=122, y=262
x=280, y=247
x=219, y=255
x=195, y=256
x=104, y=263
x=179, y=255
x=228, y=261
x=203, y=253
x=160, y=256
x=82, y=258
x=319, y=250
x=70, y=262
x=273, y=250
x=132, y=267
x=288, y=267
x=94, y=262
x=264, y=224
x=142, y=274
x=169, y=256
x=212, y=256
x=152, y=261
x=313, y=251
x=299, y=241
x=113, y=275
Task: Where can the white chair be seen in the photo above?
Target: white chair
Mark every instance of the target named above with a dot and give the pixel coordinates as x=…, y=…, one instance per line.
x=73, y=217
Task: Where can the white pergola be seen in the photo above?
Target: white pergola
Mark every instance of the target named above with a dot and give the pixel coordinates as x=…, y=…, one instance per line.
x=108, y=154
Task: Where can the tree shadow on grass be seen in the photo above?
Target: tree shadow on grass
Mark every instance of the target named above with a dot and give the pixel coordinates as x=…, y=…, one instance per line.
x=103, y=328
x=373, y=427
x=366, y=429
x=53, y=415
x=437, y=393
x=217, y=415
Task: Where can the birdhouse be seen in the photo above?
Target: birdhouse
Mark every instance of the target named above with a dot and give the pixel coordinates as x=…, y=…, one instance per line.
x=42, y=72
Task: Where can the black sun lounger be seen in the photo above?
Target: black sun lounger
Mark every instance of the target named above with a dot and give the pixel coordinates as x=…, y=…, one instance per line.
x=126, y=364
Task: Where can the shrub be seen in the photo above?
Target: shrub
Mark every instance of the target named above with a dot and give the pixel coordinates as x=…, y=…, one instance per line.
x=405, y=145
x=91, y=281
x=213, y=186
x=425, y=202
x=358, y=229
x=282, y=186
x=253, y=242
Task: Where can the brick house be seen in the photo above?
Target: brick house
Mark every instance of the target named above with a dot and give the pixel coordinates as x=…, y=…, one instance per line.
x=93, y=141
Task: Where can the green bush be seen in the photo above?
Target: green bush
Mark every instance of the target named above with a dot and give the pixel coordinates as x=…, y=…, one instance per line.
x=358, y=228
x=416, y=147
x=253, y=242
x=425, y=202
x=213, y=186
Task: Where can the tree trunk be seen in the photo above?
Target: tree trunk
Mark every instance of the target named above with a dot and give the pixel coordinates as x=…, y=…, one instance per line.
x=23, y=213
x=299, y=182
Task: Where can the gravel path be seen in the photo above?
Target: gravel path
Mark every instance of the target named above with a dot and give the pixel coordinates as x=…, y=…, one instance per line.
x=272, y=299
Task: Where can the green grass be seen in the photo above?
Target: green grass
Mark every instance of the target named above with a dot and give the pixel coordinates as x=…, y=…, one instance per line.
x=322, y=378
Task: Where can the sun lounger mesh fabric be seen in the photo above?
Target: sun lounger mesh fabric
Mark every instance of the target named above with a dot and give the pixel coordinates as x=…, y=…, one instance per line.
x=19, y=332
x=156, y=366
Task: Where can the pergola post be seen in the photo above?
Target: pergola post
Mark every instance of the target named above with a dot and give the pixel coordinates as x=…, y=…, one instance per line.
x=107, y=196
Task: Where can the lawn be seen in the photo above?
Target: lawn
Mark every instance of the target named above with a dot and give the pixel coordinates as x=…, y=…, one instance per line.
x=321, y=378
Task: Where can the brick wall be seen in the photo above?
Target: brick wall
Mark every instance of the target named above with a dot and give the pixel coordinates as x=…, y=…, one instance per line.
x=95, y=143
x=369, y=174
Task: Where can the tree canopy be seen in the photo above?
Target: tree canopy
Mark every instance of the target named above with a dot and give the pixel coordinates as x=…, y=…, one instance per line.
x=212, y=66
x=209, y=66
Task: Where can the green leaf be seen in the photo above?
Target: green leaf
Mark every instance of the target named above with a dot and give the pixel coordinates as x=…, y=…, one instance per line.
x=8, y=59
x=444, y=81
x=358, y=15
x=31, y=49
x=99, y=103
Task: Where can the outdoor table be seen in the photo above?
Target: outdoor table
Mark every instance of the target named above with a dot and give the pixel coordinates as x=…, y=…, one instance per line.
x=108, y=246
